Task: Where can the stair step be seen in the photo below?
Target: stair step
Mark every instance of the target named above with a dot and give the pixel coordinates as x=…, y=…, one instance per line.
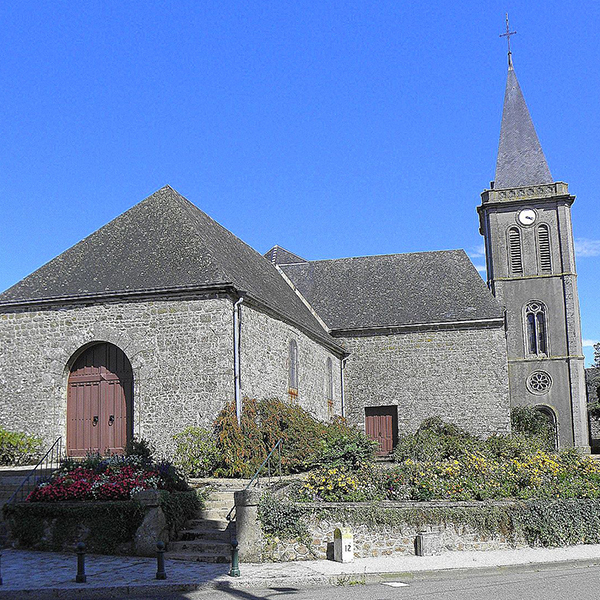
x=222, y=535
x=216, y=524
x=214, y=513
x=201, y=546
x=218, y=504
x=208, y=557
x=222, y=495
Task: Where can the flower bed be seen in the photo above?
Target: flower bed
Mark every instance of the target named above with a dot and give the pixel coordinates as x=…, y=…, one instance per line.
x=111, y=479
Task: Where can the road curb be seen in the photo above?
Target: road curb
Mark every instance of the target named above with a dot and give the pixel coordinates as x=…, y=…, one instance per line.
x=312, y=579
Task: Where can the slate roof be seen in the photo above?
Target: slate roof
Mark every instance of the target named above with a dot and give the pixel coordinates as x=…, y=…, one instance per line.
x=394, y=290
x=280, y=256
x=521, y=160
x=164, y=242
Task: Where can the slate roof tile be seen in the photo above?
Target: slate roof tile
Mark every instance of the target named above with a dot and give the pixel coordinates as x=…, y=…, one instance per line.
x=394, y=290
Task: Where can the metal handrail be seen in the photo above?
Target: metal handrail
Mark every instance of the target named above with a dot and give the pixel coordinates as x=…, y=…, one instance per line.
x=256, y=477
x=50, y=461
x=267, y=462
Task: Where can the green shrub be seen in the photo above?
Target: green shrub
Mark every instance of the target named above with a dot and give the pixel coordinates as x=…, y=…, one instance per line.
x=529, y=421
x=280, y=517
x=141, y=448
x=241, y=447
x=196, y=452
x=109, y=526
x=18, y=448
x=516, y=445
x=180, y=507
x=300, y=432
x=435, y=440
x=306, y=441
x=345, y=447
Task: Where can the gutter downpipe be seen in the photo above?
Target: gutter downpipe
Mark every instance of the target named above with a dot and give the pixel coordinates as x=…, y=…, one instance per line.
x=236, y=358
x=342, y=367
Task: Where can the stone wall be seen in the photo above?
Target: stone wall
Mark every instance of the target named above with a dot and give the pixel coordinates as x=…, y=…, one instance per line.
x=265, y=363
x=180, y=349
x=381, y=540
x=459, y=375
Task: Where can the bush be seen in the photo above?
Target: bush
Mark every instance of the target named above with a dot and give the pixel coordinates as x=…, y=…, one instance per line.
x=107, y=527
x=180, y=507
x=18, y=448
x=345, y=447
x=280, y=517
x=306, y=441
x=241, y=446
x=196, y=452
x=341, y=485
x=435, y=440
x=529, y=421
x=141, y=448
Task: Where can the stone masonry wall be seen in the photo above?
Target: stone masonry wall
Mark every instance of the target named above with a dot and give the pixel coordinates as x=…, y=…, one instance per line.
x=181, y=352
x=458, y=375
x=381, y=540
x=265, y=363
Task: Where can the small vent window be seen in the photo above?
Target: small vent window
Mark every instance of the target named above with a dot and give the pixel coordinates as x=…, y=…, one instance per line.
x=515, y=258
x=545, y=256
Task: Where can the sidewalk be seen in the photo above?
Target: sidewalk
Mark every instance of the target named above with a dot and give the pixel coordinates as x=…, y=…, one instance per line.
x=41, y=575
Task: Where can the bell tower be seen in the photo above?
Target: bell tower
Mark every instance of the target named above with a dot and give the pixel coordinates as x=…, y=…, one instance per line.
x=525, y=219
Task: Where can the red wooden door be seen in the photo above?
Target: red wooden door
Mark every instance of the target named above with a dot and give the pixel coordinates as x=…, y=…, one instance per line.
x=99, y=402
x=381, y=424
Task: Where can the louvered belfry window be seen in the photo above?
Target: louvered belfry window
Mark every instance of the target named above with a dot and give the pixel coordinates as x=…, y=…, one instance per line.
x=545, y=256
x=515, y=255
x=535, y=319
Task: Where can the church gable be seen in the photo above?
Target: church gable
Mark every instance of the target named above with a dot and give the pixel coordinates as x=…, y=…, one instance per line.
x=164, y=244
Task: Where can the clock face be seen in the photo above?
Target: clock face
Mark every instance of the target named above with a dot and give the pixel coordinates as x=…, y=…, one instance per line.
x=527, y=216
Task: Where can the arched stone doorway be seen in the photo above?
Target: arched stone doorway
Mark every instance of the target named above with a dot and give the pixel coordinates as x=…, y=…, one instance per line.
x=99, y=401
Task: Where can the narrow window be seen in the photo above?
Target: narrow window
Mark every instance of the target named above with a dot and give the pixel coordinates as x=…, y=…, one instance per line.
x=293, y=370
x=515, y=258
x=544, y=254
x=329, y=386
x=537, y=337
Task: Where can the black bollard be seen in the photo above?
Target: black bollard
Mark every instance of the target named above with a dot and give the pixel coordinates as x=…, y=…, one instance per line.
x=80, y=577
x=160, y=560
x=235, y=560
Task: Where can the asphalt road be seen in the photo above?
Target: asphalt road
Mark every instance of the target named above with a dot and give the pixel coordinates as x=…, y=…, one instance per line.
x=579, y=583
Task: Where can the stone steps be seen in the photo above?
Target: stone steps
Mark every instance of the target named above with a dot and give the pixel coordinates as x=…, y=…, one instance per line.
x=207, y=538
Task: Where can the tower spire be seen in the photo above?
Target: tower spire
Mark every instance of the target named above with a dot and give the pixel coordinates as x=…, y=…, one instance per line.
x=521, y=160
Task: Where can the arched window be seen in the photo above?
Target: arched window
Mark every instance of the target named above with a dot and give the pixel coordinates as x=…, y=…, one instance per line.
x=329, y=386
x=293, y=369
x=543, y=243
x=515, y=256
x=536, y=328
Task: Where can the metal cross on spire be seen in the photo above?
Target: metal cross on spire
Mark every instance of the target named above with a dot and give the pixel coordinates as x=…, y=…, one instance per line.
x=507, y=36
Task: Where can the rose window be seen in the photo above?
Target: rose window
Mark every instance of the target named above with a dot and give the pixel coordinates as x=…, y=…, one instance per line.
x=539, y=382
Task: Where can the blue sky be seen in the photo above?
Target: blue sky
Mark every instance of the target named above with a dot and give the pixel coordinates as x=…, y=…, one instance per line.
x=331, y=128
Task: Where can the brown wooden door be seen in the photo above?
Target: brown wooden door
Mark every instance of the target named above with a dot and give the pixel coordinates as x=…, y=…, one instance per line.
x=99, y=402
x=381, y=424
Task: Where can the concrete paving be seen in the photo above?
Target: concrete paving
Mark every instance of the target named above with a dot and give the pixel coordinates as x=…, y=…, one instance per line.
x=40, y=575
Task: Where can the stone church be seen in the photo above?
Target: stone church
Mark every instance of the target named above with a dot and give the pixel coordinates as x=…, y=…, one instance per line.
x=159, y=318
